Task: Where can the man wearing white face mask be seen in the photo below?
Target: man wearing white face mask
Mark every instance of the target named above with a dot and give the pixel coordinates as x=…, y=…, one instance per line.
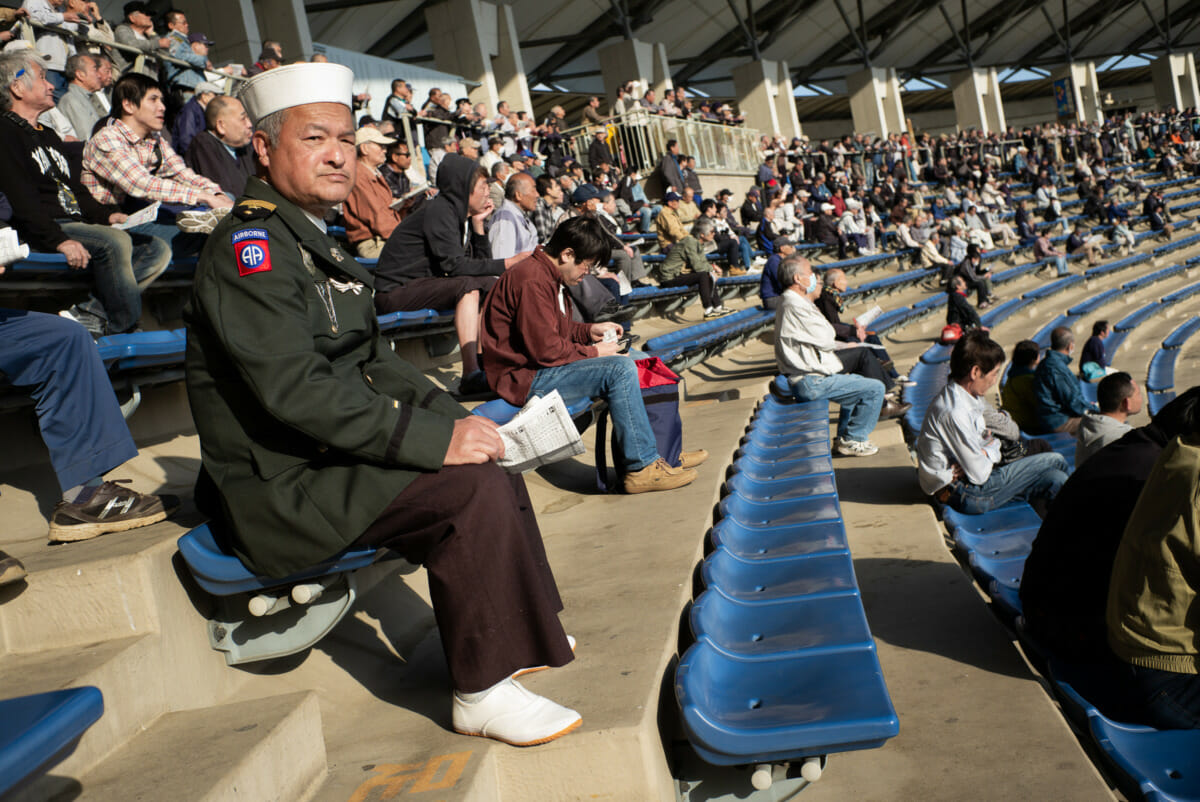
x=807, y=353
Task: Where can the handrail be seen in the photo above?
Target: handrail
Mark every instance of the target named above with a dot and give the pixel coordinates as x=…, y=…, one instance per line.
x=639, y=139
x=27, y=27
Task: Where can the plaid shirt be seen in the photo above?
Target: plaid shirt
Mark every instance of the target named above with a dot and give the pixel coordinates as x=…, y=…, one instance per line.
x=116, y=165
x=545, y=219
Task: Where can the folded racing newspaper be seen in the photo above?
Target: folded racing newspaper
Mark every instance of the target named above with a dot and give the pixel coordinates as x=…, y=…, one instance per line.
x=541, y=433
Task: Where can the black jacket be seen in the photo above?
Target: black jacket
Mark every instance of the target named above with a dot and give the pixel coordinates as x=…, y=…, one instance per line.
x=35, y=162
x=211, y=159
x=960, y=311
x=433, y=240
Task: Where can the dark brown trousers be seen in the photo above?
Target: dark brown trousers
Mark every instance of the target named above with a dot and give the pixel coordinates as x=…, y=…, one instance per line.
x=494, y=596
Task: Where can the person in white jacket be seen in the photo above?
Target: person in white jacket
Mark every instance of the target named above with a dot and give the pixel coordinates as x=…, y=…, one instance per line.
x=806, y=351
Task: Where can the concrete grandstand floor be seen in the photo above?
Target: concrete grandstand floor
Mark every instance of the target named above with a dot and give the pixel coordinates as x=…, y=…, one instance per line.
x=975, y=722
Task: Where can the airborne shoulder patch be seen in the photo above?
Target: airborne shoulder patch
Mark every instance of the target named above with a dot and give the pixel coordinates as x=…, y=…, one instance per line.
x=251, y=209
x=251, y=251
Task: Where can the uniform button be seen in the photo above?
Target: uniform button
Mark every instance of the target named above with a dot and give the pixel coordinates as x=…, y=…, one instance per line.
x=367, y=376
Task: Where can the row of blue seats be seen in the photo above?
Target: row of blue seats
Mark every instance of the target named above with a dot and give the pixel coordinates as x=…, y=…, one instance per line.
x=1155, y=765
x=784, y=666
x=699, y=341
x=1160, y=378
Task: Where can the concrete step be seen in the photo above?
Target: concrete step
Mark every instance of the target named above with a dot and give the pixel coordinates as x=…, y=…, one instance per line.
x=126, y=671
x=263, y=749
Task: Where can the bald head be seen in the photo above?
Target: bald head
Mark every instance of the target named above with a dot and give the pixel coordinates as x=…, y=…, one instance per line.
x=836, y=278
x=521, y=189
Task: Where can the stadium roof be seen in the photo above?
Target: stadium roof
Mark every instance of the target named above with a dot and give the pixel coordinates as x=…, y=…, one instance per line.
x=822, y=40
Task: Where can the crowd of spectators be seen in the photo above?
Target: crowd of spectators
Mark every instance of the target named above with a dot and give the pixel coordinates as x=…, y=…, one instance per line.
x=504, y=226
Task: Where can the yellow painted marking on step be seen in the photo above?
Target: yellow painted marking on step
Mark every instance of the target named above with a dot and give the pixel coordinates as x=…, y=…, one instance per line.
x=391, y=778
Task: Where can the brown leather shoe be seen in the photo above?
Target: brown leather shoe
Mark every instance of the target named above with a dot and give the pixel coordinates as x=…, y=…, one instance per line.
x=736, y=271
x=893, y=410
x=658, y=475
x=690, y=459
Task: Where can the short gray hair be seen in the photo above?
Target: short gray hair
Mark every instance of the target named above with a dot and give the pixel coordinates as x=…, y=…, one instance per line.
x=11, y=66
x=702, y=227
x=272, y=126
x=789, y=268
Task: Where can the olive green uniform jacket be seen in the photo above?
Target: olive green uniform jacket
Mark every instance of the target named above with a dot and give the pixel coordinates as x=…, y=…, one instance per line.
x=686, y=257
x=309, y=424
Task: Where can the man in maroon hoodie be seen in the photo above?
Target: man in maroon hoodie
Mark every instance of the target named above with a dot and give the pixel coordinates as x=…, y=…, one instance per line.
x=531, y=346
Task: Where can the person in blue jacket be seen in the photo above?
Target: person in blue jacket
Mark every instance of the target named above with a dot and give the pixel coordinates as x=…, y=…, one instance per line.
x=1060, y=403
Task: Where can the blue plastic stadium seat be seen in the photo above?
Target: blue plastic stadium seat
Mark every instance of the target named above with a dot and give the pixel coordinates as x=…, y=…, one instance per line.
x=502, y=412
x=1006, y=599
x=767, y=630
x=1161, y=375
x=1004, y=570
x=223, y=574
x=1181, y=295
x=764, y=453
x=752, y=580
x=775, y=425
x=786, y=512
x=42, y=729
x=1163, y=764
x=740, y=711
x=1054, y=287
x=1136, y=318
x=1088, y=390
x=996, y=316
x=750, y=543
x=1095, y=302
x=1156, y=401
x=782, y=470
x=143, y=349
x=1042, y=337
x=998, y=545
x=936, y=353
x=1008, y=518
x=1179, y=336
x=763, y=490
x=772, y=438
x=402, y=320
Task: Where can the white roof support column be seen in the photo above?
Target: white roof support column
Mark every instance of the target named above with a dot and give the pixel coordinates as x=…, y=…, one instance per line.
x=634, y=60
x=764, y=96
x=1175, y=81
x=875, y=101
x=977, y=102
x=478, y=40
x=233, y=25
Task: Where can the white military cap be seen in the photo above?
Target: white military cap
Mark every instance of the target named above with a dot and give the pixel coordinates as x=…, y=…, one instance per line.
x=295, y=85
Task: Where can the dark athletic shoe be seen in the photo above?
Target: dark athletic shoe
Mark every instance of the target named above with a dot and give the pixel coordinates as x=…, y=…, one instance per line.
x=112, y=508
x=11, y=569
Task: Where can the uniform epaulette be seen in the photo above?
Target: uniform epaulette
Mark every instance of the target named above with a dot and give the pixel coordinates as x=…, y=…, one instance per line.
x=251, y=209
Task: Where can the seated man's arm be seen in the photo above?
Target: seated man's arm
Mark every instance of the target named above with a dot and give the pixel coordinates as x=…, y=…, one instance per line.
x=261, y=322
x=174, y=167
x=964, y=440
x=185, y=53
x=444, y=240
x=110, y=163
x=542, y=341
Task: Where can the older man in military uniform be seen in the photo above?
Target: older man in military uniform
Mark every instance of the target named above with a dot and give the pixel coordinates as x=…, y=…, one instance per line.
x=315, y=436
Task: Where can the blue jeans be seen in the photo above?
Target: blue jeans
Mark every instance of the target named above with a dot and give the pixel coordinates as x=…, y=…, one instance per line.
x=747, y=253
x=123, y=264
x=57, y=362
x=645, y=217
x=1060, y=262
x=182, y=243
x=615, y=379
x=859, y=397
x=1036, y=476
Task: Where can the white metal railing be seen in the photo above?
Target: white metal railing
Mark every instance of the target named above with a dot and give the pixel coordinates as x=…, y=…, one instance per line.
x=639, y=139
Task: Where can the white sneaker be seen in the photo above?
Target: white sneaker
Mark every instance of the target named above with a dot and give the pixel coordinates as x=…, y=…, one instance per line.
x=856, y=448
x=524, y=671
x=716, y=311
x=514, y=715
x=904, y=381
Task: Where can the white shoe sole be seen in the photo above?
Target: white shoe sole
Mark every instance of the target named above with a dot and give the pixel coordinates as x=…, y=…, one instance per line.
x=547, y=739
x=78, y=532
